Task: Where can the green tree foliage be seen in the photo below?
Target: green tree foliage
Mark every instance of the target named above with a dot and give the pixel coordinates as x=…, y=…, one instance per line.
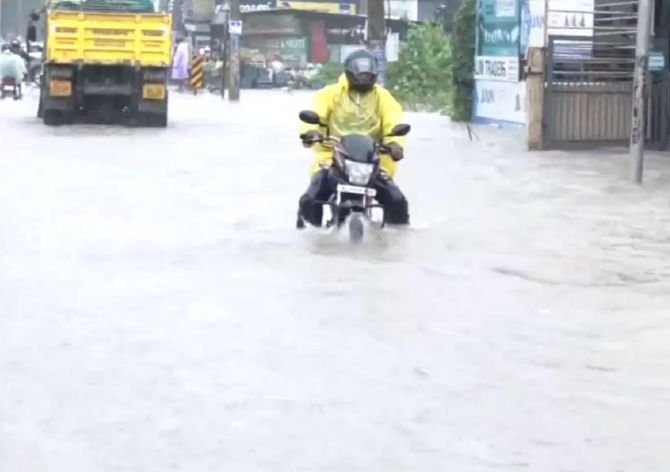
x=330, y=73
x=421, y=78
x=463, y=64
x=434, y=71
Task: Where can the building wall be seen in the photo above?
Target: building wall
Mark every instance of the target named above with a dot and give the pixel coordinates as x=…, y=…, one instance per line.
x=14, y=16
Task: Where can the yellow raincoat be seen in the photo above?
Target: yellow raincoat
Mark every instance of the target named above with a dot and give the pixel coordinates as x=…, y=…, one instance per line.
x=373, y=114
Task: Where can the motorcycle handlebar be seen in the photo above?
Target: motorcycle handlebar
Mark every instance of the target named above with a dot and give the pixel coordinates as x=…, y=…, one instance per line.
x=305, y=138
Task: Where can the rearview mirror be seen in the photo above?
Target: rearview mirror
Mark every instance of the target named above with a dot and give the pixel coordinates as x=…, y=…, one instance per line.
x=310, y=117
x=402, y=129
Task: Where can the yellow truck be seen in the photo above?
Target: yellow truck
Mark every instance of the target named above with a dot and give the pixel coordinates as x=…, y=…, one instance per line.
x=105, y=61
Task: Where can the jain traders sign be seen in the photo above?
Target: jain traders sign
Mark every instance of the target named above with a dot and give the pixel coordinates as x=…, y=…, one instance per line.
x=497, y=68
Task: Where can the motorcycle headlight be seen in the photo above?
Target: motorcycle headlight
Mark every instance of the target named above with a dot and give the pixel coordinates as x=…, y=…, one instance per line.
x=359, y=173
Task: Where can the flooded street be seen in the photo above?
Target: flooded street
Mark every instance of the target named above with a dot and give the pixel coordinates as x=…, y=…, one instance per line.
x=159, y=311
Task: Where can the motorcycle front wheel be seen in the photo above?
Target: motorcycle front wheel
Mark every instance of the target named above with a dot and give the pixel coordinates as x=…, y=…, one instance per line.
x=356, y=228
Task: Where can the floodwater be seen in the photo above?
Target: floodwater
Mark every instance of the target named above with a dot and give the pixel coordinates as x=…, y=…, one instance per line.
x=159, y=312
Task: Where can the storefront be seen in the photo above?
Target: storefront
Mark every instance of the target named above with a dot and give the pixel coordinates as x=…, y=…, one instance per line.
x=298, y=37
x=269, y=36
x=505, y=29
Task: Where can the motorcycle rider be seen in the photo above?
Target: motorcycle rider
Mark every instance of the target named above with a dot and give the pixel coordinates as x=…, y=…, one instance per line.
x=355, y=104
x=12, y=67
x=16, y=48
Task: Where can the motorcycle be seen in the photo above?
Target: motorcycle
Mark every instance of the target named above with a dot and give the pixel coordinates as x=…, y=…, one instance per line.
x=355, y=168
x=9, y=87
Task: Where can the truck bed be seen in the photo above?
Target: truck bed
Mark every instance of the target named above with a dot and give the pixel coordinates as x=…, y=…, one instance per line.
x=141, y=39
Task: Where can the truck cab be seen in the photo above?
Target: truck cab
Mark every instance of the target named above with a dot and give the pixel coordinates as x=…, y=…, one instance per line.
x=105, y=61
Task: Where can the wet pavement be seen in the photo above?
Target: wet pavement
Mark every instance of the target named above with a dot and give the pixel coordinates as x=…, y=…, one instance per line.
x=159, y=312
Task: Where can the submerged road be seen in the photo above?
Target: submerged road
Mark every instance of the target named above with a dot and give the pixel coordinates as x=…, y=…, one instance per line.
x=159, y=312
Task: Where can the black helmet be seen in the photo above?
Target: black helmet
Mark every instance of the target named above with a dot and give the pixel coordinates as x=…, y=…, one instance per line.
x=15, y=45
x=361, y=68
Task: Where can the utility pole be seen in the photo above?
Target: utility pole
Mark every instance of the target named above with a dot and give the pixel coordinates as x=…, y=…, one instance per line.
x=377, y=34
x=225, y=47
x=235, y=32
x=640, y=87
x=220, y=31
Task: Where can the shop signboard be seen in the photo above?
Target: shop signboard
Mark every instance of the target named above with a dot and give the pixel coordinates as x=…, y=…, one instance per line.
x=497, y=68
x=500, y=102
x=257, y=5
x=348, y=8
x=498, y=28
x=271, y=24
x=402, y=9
x=565, y=18
x=291, y=50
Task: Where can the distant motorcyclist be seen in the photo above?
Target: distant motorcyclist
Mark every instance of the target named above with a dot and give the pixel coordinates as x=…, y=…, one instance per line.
x=12, y=68
x=356, y=104
x=16, y=47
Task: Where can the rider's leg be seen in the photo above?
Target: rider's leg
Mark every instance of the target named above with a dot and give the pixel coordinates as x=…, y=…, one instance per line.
x=319, y=190
x=396, y=207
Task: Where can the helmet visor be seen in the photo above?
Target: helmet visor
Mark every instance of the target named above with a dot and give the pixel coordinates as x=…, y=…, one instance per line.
x=363, y=65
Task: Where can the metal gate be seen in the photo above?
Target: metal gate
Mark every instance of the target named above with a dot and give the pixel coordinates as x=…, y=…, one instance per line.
x=589, y=80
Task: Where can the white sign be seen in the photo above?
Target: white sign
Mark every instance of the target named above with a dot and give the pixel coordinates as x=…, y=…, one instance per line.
x=260, y=7
x=570, y=17
x=500, y=102
x=392, y=47
x=235, y=26
x=565, y=18
x=497, y=68
x=505, y=8
x=536, y=23
x=402, y=9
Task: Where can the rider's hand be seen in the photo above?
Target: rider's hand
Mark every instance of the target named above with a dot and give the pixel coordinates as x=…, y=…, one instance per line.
x=395, y=151
x=310, y=137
